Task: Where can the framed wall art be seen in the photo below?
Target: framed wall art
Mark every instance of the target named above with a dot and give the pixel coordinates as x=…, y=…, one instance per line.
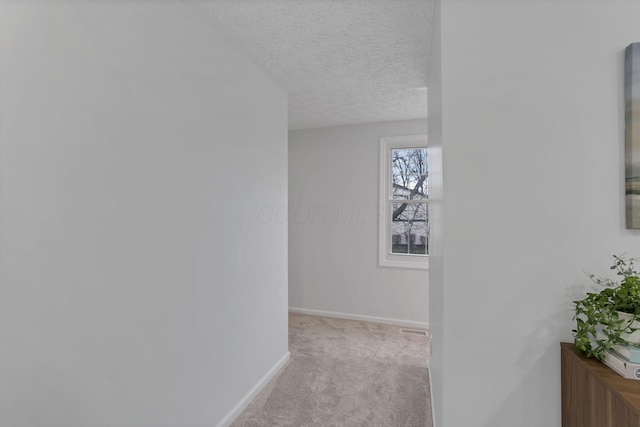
x=632, y=134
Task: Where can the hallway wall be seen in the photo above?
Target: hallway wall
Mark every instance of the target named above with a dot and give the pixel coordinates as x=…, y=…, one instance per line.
x=527, y=110
x=138, y=284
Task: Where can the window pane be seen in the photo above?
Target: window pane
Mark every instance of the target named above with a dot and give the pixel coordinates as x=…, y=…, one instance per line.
x=409, y=173
x=409, y=228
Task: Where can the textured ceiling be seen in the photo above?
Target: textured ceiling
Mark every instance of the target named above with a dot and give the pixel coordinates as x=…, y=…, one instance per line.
x=340, y=61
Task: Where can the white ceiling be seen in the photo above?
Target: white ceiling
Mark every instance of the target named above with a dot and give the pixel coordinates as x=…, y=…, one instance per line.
x=340, y=61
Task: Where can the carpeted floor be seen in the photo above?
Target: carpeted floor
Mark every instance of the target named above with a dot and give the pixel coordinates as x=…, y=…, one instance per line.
x=346, y=373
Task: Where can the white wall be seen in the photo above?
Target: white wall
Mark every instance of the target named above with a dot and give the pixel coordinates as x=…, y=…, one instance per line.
x=532, y=121
x=131, y=137
x=436, y=219
x=333, y=226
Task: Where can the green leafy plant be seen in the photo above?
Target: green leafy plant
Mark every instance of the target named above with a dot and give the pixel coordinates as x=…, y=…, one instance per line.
x=599, y=325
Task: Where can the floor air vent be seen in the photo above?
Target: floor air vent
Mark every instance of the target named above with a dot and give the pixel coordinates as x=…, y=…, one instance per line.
x=413, y=332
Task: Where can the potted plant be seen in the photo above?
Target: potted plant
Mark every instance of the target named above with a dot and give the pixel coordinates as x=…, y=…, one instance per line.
x=611, y=316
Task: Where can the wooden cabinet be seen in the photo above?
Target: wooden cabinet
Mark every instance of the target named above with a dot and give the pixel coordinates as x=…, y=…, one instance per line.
x=593, y=395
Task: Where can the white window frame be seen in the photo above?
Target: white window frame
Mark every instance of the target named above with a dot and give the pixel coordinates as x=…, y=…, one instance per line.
x=386, y=258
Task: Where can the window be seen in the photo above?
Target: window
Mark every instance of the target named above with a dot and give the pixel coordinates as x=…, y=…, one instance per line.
x=404, y=194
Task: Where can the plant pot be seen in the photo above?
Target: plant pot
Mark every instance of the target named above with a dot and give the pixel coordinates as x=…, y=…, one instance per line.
x=634, y=337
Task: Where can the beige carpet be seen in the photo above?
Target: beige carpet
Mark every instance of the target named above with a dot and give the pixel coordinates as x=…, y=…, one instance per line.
x=346, y=373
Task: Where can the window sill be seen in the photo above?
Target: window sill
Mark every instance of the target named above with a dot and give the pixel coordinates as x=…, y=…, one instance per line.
x=420, y=264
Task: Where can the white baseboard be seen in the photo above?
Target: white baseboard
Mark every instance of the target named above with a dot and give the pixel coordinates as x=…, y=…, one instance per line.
x=239, y=407
x=388, y=321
